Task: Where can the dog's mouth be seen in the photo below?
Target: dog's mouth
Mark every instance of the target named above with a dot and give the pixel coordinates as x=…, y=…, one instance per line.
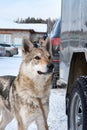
x=41, y=73
x=49, y=70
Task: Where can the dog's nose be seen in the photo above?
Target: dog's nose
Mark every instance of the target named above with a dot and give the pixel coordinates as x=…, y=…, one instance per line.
x=50, y=66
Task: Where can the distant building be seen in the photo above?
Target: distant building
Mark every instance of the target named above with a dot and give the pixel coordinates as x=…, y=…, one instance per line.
x=13, y=33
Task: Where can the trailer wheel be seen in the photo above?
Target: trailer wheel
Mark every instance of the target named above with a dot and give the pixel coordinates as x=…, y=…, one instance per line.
x=77, y=110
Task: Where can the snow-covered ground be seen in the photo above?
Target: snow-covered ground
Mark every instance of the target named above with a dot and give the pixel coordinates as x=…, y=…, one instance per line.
x=57, y=119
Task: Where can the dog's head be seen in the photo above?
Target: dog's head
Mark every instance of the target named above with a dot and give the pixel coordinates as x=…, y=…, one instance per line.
x=36, y=61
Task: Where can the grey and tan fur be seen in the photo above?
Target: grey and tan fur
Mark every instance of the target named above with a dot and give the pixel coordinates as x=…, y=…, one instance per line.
x=19, y=95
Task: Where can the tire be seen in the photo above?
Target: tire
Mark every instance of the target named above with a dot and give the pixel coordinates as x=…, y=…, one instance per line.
x=8, y=54
x=77, y=109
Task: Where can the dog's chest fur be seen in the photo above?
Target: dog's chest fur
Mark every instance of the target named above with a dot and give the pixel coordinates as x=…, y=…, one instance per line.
x=26, y=93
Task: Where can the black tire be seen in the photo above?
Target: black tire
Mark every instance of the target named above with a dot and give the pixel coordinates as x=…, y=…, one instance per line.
x=8, y=54
x=77, y=109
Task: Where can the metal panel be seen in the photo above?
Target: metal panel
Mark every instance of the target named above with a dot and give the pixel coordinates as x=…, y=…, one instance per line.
x=73, y=32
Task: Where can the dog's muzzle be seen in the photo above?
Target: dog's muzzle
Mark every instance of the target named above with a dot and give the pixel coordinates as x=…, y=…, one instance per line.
x=50, y=67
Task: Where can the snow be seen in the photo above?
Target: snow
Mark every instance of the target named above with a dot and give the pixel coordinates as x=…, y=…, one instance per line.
x=57, y=119
x=12, y=25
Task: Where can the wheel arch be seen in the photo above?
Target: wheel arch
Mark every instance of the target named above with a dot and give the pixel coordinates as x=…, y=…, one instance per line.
x=78, y=67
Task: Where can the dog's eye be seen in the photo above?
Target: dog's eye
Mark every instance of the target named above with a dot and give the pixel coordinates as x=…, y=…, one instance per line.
x=37, y=58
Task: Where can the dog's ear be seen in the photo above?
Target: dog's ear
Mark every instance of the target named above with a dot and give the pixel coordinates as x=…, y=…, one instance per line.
x=26, y=46
x=46, y=44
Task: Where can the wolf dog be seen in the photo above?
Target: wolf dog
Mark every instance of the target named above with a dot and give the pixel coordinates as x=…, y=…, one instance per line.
x=26, y=96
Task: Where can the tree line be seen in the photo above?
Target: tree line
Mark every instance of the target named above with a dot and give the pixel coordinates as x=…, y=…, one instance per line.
x=48, y=21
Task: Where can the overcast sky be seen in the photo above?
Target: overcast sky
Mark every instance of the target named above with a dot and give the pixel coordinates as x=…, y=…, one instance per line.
x=14, y=9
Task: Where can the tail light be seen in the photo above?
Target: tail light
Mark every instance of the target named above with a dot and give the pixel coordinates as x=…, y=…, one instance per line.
x=15, y=49
x=55, y=61
x=55, y=41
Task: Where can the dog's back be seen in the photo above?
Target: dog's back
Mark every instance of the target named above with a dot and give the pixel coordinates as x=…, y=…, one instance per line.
x=5, y=85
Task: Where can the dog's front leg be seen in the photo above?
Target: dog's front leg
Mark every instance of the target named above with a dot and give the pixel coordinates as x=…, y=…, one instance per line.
x=20, y=122
x=42, y=119
x=41, y=124
x=20, y=125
